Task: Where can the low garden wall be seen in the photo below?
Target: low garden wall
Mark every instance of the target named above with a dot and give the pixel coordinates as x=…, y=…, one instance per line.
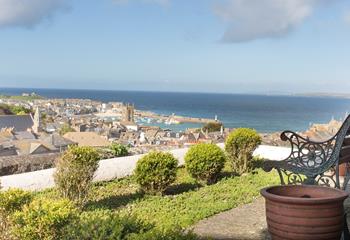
x=19, y=164
x=110, y=169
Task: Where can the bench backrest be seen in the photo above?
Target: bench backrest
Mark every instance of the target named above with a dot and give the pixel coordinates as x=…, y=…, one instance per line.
x=317, y=161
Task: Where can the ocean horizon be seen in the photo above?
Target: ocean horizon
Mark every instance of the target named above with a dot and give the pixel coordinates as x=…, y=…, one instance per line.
x=265, y=113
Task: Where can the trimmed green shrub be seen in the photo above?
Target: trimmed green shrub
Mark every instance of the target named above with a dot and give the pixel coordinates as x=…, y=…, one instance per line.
x=75, y=171
x=10, y=201
x=13, y=200
x=103, y=224
x=204, y=162
x=119, y=150
x=5, y=227
x=156, y=171
x=43, y=219
x=240, y=145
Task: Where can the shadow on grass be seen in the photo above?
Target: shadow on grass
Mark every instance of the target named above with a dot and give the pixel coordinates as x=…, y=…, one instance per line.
x=181, y=188
x=256, y=164
x=225, y=175
x=113, y=202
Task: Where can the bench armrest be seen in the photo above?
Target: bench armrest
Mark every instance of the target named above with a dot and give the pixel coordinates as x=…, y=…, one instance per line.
x=307, y=157
x=294, y=137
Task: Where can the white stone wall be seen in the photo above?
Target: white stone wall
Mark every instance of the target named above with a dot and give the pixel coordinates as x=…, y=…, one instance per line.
x=110, y=169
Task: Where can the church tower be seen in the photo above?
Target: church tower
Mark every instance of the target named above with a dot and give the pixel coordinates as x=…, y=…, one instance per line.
x=128, y=114
x=36, y=121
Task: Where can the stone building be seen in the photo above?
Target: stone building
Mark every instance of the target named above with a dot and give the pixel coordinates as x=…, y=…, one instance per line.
x=128, y=113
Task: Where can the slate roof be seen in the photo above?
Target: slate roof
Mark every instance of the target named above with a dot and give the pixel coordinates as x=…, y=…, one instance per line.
x=90, y=139
x=21, y=135
x=58, y=141
x=18, y=122
x=26, y=147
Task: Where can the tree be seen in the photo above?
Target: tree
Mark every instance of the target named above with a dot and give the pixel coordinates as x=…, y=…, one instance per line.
x=212, y=127
x=119, y=150
x=65, y=129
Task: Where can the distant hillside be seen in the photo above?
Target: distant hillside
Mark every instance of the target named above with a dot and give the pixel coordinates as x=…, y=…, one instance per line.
x=335, y=95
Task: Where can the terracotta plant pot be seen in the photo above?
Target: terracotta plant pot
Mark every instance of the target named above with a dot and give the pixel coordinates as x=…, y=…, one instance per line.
x=304, y=212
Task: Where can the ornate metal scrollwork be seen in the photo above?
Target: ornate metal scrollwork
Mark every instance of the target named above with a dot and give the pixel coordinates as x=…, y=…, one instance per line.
x=317, y=161
x=307, y=156
x=291, y=178
x=328, y=179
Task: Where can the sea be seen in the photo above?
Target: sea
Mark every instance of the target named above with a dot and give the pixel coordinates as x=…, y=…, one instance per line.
x=265, y=113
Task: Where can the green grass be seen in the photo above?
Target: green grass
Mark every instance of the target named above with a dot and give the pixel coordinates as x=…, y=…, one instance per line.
x=185, y=203
x=188, y=208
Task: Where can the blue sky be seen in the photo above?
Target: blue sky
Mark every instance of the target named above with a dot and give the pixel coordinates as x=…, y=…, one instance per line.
x=238, y=46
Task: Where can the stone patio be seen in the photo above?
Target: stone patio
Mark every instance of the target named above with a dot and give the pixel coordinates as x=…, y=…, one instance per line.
x=246, y=222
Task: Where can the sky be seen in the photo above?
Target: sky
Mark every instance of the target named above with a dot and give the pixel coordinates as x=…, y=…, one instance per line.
x=232, y=46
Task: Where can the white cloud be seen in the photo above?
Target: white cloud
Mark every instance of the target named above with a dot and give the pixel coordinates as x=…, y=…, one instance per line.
x=253, y=19
x=27, y=13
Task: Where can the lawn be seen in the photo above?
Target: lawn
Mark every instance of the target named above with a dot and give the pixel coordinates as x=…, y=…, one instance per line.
x=185, y=202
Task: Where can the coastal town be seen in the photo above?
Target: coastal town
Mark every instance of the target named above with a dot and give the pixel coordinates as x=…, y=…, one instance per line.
x=174, y=120
x=50, y=125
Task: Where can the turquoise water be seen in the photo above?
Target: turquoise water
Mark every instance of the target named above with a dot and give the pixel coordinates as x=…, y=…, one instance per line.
x=264, y=113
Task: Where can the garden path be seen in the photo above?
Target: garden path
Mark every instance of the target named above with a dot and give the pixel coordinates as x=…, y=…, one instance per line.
x=246, y=222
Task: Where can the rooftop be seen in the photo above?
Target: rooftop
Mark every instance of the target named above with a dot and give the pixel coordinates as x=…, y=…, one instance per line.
x=18, y=122
x=90, y=139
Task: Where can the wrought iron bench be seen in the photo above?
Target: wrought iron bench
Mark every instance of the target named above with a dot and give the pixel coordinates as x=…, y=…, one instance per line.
x=312, y=162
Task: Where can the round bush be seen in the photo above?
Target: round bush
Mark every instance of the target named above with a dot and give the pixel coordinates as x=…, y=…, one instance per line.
x=204, y=162
x=103, y=224
x=43, y=219
x=10, y=201
x=240, y=145
x=156, y=171
x=75, y=171
x=13, y=200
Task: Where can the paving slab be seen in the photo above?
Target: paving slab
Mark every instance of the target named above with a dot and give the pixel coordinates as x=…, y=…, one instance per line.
x=247, y=222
